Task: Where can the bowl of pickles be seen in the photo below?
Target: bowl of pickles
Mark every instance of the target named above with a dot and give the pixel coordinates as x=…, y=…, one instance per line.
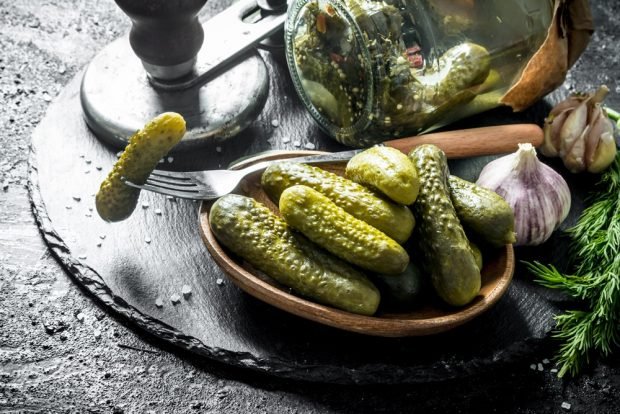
x=386, y=244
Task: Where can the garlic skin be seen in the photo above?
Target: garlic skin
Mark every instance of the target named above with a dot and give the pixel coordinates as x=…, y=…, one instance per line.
x=579, y=131
x=539, y=196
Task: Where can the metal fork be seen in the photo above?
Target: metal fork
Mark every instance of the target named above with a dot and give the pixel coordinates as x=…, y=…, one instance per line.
x=212, y=184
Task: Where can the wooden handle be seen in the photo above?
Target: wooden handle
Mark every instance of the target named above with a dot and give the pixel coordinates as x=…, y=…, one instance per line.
x=465, y=143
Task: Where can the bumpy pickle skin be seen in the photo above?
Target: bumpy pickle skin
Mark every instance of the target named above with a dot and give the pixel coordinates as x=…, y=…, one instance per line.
x=483, y=212
x=461, y=67
x=264, y=240
x=115, y=201
x=387, y=170
x=332, y=228
x=394, y=220
x=445, y=250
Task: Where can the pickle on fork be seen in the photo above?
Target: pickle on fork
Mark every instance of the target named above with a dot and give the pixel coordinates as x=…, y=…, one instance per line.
x=115, y=201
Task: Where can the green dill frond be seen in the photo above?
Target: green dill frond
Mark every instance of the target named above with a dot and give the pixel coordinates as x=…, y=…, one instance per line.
x=595, y=241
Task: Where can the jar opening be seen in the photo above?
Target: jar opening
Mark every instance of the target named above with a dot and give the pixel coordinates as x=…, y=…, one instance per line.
x=371, y=70
x=330, y=63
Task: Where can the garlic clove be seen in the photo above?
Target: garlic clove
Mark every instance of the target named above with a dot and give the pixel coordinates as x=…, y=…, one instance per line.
x=574, y=159
x=570, y=103
x=553, y=125
x=605, y=153
x=573, y=127
x=600, y=125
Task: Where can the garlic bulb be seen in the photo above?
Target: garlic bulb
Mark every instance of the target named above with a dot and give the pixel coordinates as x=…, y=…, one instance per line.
x=579, y=131
x=538, y=195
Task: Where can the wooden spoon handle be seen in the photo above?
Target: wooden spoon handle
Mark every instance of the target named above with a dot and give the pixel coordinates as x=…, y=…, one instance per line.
x=465, y=143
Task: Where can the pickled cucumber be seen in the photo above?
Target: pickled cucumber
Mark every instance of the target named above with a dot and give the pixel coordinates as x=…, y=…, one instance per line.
x=115, y=201
x=461, y=67
x=388, y=170
x=402, y=290
x=477, y=254
x=252, y=231
x=394, y=220
x=446, y=254
x=483, y=212
x=332, y=228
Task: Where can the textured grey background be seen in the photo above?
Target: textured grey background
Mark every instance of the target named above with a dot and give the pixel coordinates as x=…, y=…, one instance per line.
x=53, y=361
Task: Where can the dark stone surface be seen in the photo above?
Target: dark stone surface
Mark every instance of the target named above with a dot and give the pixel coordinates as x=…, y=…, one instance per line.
x=51, y=354
x=128, y=265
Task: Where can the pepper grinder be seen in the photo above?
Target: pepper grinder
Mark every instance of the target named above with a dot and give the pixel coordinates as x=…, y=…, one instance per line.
x=210, y=73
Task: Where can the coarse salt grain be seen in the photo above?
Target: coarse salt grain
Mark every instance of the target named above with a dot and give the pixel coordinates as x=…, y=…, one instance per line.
x=147, y=239
x=175, y=299
x=309, y=145
x=545, y=361
x=296, y=143
x=80, y=317
x=170, y=159
x=145, y=204
x=275, y=123
x=77, y=198
x=88, y=161
x=97, y=334
x=565, y=405
x=533, y=367
x=158, y=211
x=82, y=257
x=553, y=370
x=540, y=366
x=102, y=236
x=159, y=303
x=99, y=244
x=186, y=291
x=218, y=149
x=219, y=281
x=286, y=140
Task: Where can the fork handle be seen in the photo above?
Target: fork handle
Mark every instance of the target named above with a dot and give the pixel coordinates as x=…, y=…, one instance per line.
x=472, y=142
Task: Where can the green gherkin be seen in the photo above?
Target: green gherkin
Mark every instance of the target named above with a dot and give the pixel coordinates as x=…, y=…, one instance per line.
x=483, y=212
x=446, y=253
x=461, y=67
x=116, y=201
x=394, y=220
x=332, y=228
x=403, y=290
x=252, y=231
x=388, y=170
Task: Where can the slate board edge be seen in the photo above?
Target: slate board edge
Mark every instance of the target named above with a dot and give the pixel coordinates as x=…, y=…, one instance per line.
x=91, y=281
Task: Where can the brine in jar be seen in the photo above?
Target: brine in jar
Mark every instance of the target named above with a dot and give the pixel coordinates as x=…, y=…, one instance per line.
x=370, y=70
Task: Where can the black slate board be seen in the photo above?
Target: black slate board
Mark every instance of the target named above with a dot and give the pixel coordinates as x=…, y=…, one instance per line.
x=126, y=273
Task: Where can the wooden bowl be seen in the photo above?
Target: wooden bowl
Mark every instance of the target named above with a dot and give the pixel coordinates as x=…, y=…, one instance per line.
x=429, y=318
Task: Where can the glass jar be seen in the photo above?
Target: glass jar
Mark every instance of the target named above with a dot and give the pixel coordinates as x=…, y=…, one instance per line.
x=370, y=70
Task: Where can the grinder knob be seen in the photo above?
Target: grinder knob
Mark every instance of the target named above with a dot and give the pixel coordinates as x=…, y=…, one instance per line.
x=165, y=34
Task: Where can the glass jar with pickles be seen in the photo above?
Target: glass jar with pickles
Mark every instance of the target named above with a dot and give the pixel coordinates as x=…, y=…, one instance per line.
x=372, y=70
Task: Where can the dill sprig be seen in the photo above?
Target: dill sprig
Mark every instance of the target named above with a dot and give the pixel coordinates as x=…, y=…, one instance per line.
x=595, y=242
